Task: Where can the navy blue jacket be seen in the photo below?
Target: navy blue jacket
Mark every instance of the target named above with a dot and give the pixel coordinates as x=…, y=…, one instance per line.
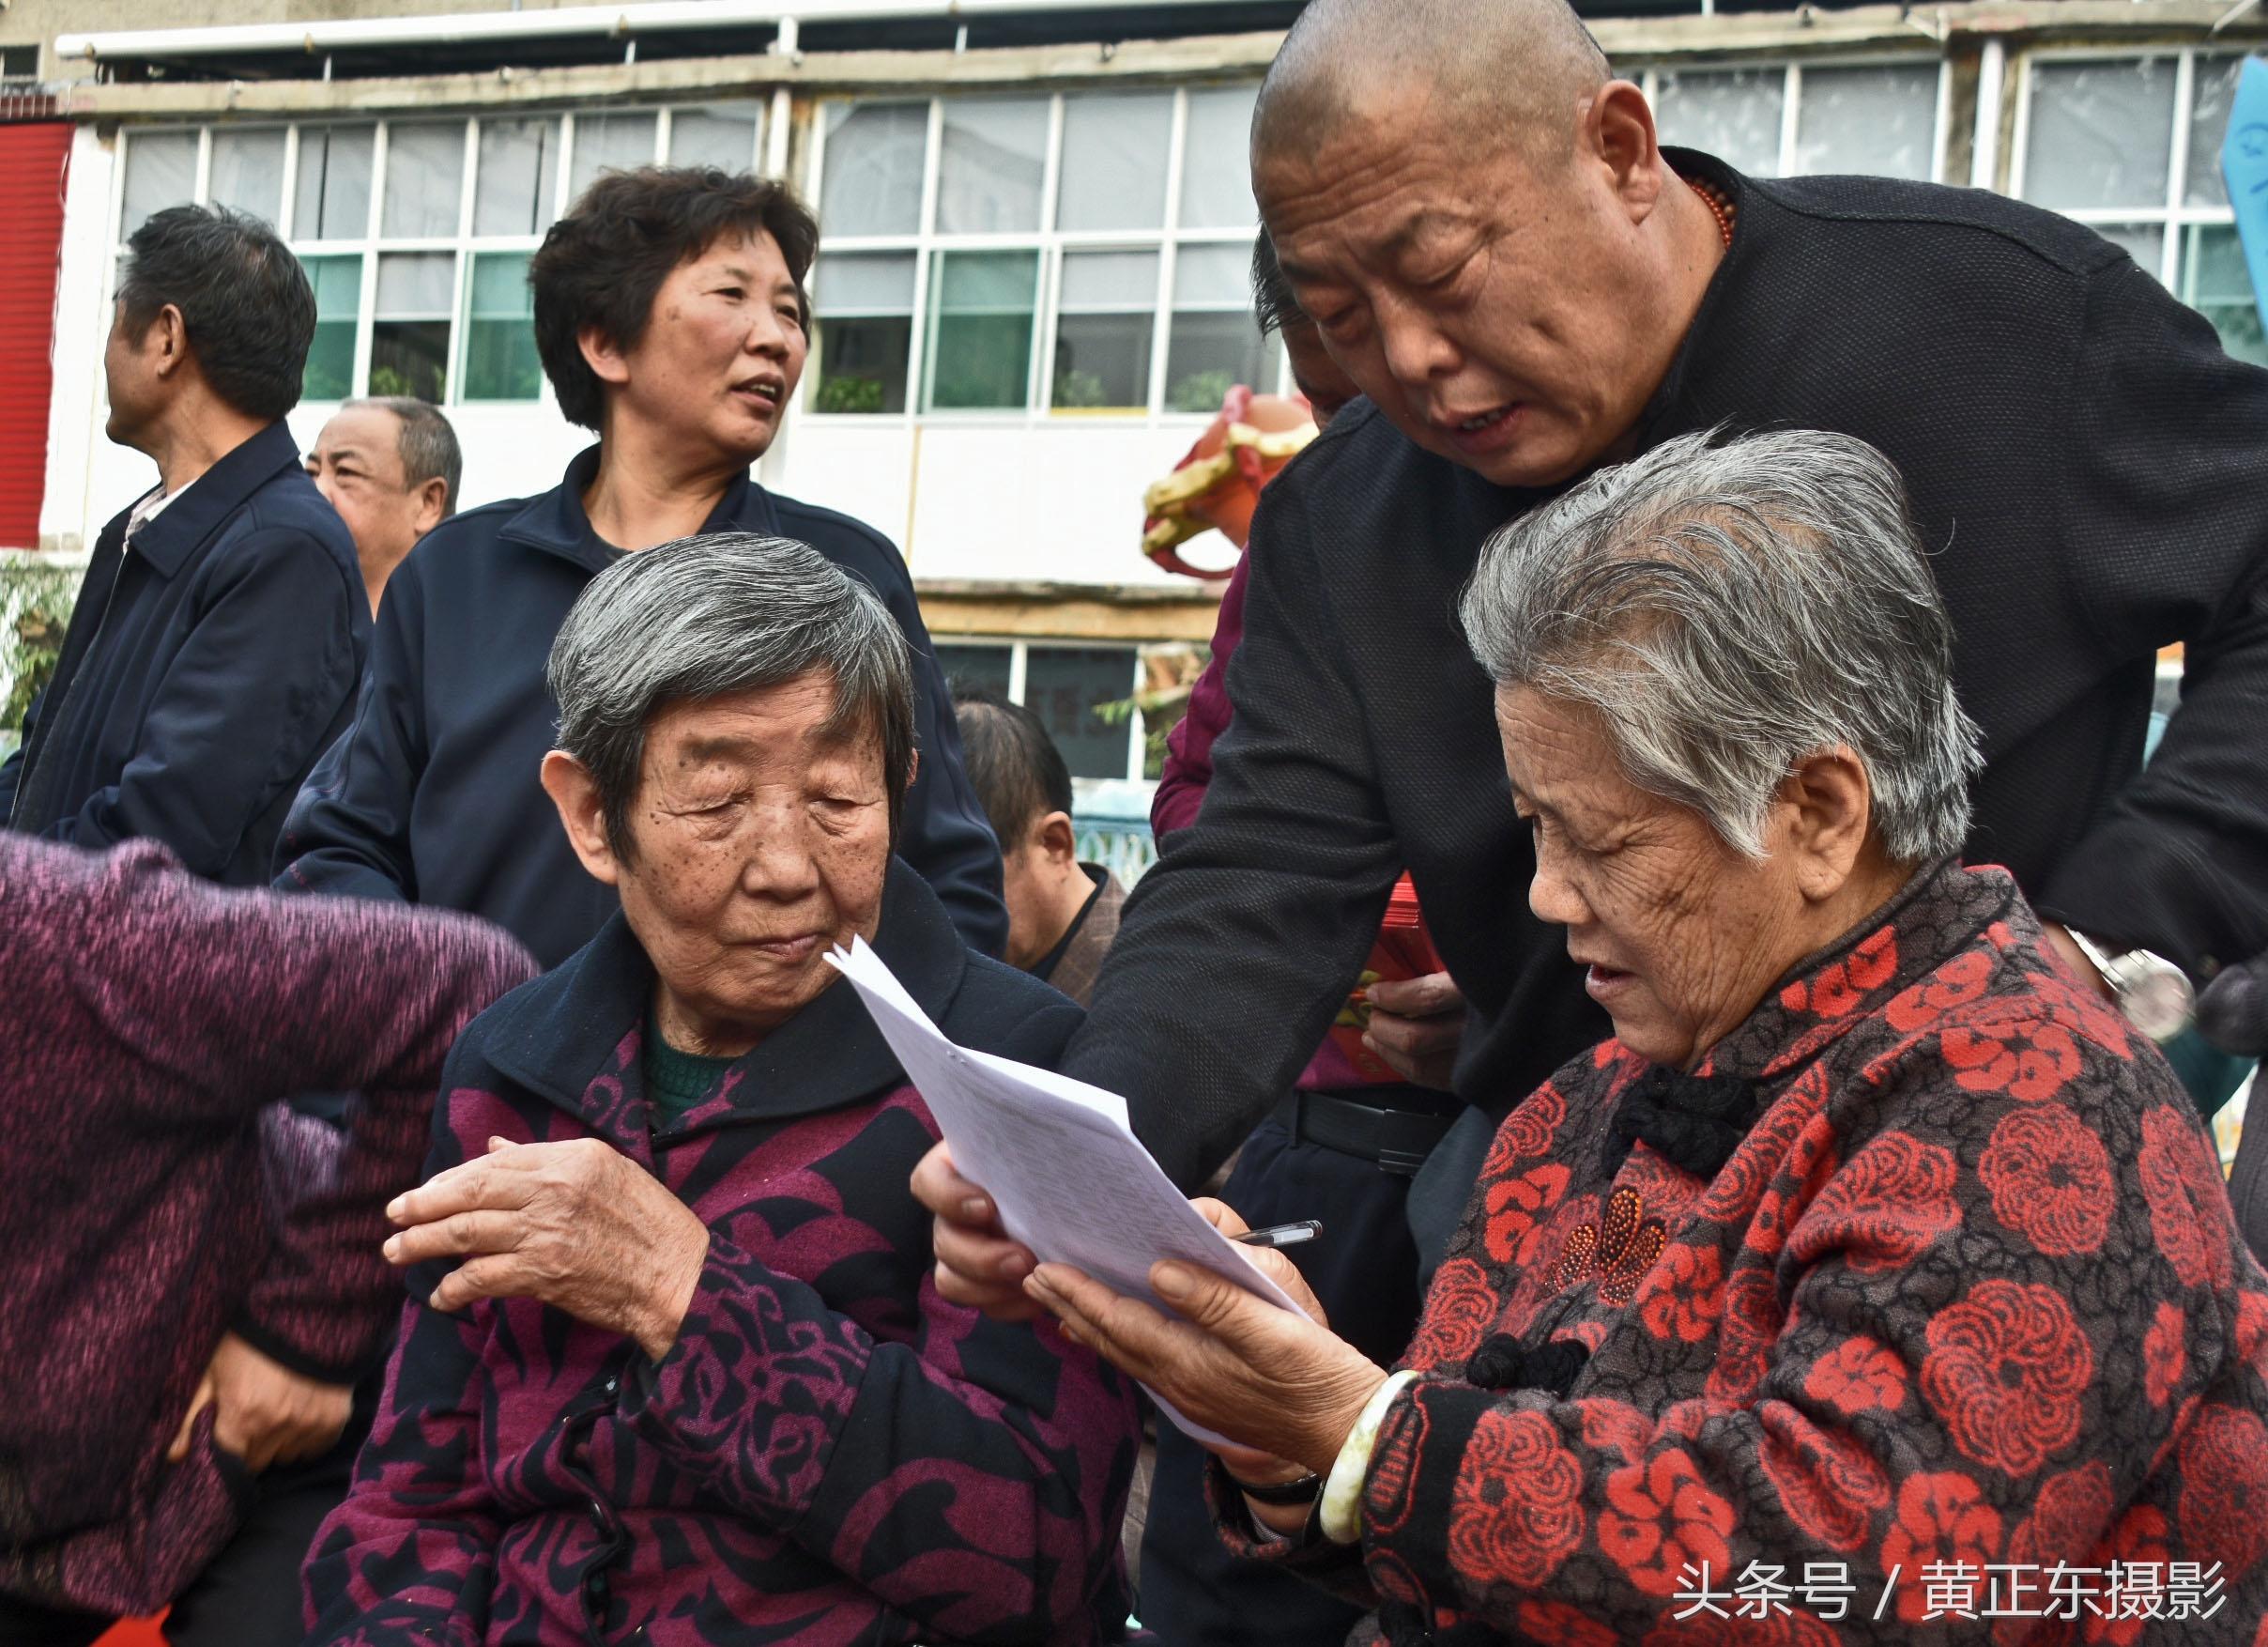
x=203, y=672
x=432, y=797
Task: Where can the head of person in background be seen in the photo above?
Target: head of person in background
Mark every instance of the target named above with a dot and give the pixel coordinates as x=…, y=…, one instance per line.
x=208, y=337
x=671, y=318
x=391, y=466
x=1062, y=913
x=1317, y=376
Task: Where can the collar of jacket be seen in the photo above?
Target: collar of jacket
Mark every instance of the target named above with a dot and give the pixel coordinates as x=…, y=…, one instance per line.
x=218, y=493
x=1941, y=910
x=571, y=1035
x=556, y=523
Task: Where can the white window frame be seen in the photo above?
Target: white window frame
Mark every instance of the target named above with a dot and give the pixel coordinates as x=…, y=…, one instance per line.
x=1791, y=101
x=372, y=244
x=2173, y=214
x=1050, y=244
x=1019, y=649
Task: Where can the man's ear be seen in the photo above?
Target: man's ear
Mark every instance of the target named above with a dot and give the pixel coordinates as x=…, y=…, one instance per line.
x=168, y=337
x=582, y=814
x=433, y=498
x=604, y=356
x=912, y=769
x=1829, y=812
x=1055, y=837
x=1618, y=130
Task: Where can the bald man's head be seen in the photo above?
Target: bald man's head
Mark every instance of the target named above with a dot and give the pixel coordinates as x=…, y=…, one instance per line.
x=1506, y=72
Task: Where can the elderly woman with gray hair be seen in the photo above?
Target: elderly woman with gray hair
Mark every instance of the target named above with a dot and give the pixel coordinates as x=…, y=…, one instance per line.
x=1873, y=1281
x=672, y=1369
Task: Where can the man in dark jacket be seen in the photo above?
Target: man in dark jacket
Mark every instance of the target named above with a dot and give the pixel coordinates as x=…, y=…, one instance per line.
x=221, y=628
x=672, y=319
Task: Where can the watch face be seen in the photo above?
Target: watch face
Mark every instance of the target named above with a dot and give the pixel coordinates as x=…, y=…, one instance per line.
x=2160, y=1002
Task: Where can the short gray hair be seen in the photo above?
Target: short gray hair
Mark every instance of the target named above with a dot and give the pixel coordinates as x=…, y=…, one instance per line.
x=727, y=612
x=1729, y=607
x=428, y=443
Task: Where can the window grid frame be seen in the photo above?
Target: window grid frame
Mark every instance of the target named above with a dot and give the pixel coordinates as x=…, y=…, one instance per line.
x=372, y=244
x=2173, y=214
x=1019, y=648
x=925, y=244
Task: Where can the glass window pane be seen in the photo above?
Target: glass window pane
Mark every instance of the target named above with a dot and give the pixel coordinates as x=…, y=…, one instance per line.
x=416, y=283
x=1115, y=161
x=989, y=174
x=974, y=668
x=248, y=173
x=1062, y=684
x=500, y=361
x=621, y=143
x=1216, y=174
x=981, y=336
x=410, y=357
x=716, y=135
x=2212, y=90
x=863, y=282
x=1733, y=114
x=865, y=330
x=161, y=171
x=2101, y=132
x=1110, y=280
x=1882, y=121
x=424, y=179
x=1102, y=361
x=873, y=164
x=333, y=188
x=1209, y=352
x=1212, y=277
x=338, y=287
x=519, y=176
x=2216, y=282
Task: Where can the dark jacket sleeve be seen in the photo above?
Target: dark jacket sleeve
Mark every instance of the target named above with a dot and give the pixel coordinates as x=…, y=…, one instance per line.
x=242, y=709
x=1236, y=950
x=2165, y=522
x=1189, y=768
x=259, y=996
x=349, y=832
x=11, y=770
x=943, y=833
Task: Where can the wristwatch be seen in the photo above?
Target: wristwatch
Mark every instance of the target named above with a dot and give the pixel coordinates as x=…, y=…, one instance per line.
x=2154, y=995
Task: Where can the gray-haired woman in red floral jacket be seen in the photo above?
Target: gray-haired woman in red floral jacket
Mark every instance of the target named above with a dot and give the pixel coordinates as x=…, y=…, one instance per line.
x=177, y=1317
x=1874, y=1282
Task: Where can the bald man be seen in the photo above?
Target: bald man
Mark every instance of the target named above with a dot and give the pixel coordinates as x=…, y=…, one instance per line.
x=1525, y=284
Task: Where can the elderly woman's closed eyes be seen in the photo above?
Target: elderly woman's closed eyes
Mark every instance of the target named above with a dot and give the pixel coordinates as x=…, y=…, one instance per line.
x=672, y=1368
x=1872, y=1245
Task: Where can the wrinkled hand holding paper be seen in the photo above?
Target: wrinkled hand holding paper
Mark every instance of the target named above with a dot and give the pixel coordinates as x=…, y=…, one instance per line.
x=1070, y=1179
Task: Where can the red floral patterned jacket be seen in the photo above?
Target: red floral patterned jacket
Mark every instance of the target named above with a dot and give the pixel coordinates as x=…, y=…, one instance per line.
x=1954, y=1291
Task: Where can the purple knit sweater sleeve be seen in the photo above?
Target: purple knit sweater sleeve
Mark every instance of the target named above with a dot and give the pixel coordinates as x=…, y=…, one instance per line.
x=1188, y=767
x=1033, y=1436
x=248, y=996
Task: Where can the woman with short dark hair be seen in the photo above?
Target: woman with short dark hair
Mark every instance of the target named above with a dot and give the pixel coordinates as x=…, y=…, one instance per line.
x=672, y=319
x=674, y=1369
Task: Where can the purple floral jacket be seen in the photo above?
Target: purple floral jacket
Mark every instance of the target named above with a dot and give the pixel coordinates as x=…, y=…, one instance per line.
x=151, y=1020
x=830, y=1453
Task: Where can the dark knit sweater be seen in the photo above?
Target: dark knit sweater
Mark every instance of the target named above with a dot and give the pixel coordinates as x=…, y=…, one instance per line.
x=150, y=1018
x=2091, y=469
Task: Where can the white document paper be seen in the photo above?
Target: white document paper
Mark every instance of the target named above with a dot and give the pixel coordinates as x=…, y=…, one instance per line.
x=1070, y=1179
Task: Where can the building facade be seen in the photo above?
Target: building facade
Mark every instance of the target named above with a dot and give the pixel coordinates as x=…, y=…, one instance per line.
x=1036, y=225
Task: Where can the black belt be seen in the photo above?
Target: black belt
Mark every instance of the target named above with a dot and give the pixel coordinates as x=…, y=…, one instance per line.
x=1397, y=1140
